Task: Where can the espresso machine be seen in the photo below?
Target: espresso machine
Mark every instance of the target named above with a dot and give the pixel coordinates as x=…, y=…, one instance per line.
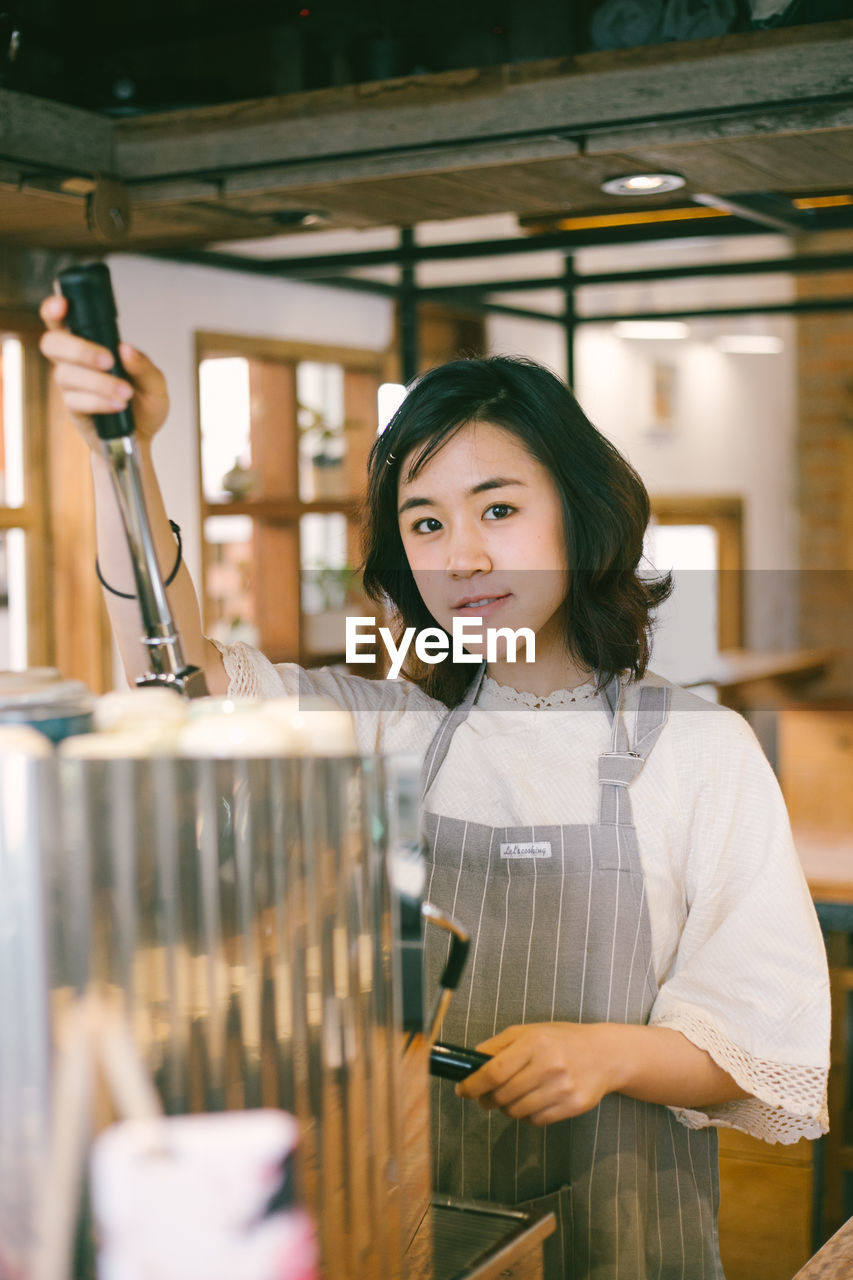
x=247, y=890
x=246, y=913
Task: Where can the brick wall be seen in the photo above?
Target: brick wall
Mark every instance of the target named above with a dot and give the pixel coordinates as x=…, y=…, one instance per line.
x=825, y=469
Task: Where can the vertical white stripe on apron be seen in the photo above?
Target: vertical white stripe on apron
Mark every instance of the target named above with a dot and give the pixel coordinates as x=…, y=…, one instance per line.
x=642, y=1209
x=678, y=1194
x=615, y=927
x=618, y=1175
x=711, y=1174
x=489, y=1172
x=503, y=945
x=526, y=981
x=437, y=1152
x=588, y=913
x=610, y=992
x=591, y=1175
x=554, y=991
x=634, y=953
x=657, y=1204
x=498, y=991
x=465, y=1111
x=559, y=923
x=453, y=913
x=532, y=927
x=698, y=1197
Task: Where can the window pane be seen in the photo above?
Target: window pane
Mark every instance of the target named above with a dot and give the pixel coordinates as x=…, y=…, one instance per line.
x=230, y=601
x=13, y=600
x=322, y=440
x=686, y=628
x=330, y=586
x=225, y=415
x=11, y=423
x=325, y=575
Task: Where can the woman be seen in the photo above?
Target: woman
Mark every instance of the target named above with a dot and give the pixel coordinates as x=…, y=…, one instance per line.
x=647, y=963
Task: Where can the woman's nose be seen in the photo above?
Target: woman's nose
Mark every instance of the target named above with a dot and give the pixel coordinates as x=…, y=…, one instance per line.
x=467, y=553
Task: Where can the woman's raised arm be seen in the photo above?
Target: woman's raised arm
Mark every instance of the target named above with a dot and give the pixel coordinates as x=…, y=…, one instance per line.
x=80, y=371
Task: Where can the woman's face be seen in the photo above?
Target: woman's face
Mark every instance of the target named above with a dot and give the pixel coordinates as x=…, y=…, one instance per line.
x=482, y=527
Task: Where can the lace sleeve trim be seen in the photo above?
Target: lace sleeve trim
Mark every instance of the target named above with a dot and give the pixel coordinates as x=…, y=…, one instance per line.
x=789, y=1102
x=250, y=674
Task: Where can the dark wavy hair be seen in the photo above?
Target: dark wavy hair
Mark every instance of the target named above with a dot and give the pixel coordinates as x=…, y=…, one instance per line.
x=608, y=607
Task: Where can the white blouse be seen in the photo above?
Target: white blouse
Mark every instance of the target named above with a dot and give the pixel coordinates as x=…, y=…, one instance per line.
x=738, y=954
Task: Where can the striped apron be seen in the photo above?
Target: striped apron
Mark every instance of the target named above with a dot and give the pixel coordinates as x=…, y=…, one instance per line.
x=561, y=932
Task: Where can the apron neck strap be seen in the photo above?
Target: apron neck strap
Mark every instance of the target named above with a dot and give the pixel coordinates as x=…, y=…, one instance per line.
x=612, y=696
x=440, y=744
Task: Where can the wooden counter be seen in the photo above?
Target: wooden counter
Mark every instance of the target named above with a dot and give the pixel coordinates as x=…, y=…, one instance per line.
x=754, y=677
x=827, y=859
x=460, y=1238
x=834, y=1261
x=778, y=1202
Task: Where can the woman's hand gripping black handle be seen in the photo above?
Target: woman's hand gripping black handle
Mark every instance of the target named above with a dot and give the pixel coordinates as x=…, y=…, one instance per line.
x=92, y=314
x=452, y=1062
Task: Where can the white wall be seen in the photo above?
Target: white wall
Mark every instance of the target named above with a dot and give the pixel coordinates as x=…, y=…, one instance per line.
x=732, y=433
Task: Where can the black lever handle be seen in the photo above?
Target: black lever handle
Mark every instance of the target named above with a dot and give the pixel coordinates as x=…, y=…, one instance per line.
x=92, y=314
x=452, y=1062
x=460, y=941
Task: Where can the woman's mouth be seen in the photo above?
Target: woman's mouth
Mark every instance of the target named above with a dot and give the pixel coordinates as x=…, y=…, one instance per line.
x=480, y=605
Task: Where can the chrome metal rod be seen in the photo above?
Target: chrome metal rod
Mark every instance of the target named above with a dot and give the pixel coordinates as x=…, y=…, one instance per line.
x=161, y=638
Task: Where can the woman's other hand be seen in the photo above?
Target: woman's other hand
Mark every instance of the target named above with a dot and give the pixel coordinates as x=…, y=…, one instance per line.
x=87, y=388
x=542, y=1072
x=548, y=1071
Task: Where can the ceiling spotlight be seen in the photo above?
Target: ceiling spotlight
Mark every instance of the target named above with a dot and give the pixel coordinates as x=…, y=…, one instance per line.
x=297, y=217
x=642, y=184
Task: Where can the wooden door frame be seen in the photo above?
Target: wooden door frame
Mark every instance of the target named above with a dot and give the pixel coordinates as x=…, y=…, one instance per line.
x=33, y=516
x=210, y=344
x=725, y=515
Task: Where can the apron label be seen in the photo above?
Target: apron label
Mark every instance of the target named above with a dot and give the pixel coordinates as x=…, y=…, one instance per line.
x=527, y=849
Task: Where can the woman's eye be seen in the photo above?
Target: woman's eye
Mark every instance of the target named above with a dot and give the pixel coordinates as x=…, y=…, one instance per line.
x=498, y=511
x=429, y=524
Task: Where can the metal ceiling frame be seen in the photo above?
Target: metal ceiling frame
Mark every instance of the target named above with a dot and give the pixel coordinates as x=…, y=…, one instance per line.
x=474, y=297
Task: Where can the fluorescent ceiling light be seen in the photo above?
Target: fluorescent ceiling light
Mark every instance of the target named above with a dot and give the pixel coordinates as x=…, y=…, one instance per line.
x=642, y=184
x=750, y=344
x=651, y=329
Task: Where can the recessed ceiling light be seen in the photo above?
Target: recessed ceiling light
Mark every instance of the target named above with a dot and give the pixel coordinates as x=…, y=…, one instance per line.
x=297, y=217
x=642, y=184
x=651, y=329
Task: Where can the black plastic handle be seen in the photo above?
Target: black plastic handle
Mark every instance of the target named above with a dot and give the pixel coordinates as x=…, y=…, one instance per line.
x=452, y=1062
x=460, y=941
x=92, y=315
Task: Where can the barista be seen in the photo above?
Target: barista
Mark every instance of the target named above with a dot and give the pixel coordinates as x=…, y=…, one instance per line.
x=647, y=964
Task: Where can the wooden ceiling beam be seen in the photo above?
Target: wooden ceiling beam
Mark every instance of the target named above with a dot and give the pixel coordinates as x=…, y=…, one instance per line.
x=762, y=111
x=520, y=103
x=38, y=134
x=248, y=180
